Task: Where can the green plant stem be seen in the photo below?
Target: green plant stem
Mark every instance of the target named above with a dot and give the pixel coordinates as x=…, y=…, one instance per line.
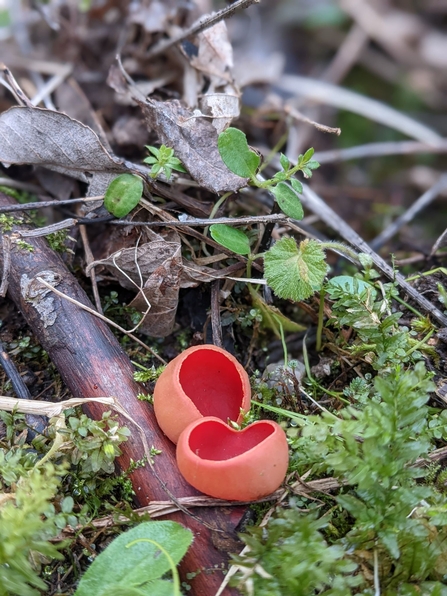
x=279, y=145
x=283, y=340
x=175, y=577
x=420, y=343
x=320, y=320
x=346, y=250
x=410, y=308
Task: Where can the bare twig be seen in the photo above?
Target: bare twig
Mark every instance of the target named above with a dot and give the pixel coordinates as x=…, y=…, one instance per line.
x=410, y=213
x=313, y=202
x=379, y=150
x=216, y=325
x=302, y=118
x=89, y=258
x=41, y=204
x=200, y=25
x=231, y=221
x=6, y=247
x=56, y=227
x=339, y=97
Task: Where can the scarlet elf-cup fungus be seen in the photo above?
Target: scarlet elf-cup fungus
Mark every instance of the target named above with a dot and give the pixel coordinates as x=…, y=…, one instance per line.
x=201, y=381
x=236, y=465
x=194, y=398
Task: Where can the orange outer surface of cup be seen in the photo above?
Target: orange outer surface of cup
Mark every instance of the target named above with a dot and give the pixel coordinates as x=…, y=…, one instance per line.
x=226, y=469
x=201, y=381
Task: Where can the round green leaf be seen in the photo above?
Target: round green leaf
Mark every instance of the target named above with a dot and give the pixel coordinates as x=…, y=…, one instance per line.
x=288, y=201
x=236, y=153
x=231, y=238
x=123, y=194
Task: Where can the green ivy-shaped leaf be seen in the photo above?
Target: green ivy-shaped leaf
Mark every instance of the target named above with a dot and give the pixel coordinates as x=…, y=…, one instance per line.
x=288, y=201
x=123, y=194
x=294, y=272
x=236, y=153
x=231, y=238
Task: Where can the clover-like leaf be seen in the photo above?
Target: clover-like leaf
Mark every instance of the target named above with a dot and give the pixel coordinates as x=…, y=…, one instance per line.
x=295, y=272
x=236, y=153
x=123, y=194
x=288, y=201
x=231, y=238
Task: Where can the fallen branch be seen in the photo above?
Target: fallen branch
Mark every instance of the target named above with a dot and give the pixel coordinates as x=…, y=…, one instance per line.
x=92, y=364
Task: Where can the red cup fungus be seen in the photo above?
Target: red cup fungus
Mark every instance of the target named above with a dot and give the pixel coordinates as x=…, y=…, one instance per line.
x=240, y=465
x=202, y=381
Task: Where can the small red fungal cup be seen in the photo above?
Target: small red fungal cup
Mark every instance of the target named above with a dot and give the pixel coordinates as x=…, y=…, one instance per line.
x=201, y=381
x=236, y=465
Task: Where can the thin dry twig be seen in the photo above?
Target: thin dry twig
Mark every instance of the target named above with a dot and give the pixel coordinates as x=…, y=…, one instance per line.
x=328, y=94
x=89, y=258
x=421, y=203
x=41, y=204
x=379, y=150
x=200, y=25
x=316, y=204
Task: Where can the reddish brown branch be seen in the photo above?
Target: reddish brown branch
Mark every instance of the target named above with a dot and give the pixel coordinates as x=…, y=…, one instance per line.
x=92, y=364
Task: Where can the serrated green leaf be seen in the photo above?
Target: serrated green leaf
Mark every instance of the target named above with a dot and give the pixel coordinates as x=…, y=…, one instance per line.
x=236, y=153
x=295, y=272
x=231, y=238
x=123, y=194
x=297, y=186
x=284, y=161
x=130, y=561
x=288, y=201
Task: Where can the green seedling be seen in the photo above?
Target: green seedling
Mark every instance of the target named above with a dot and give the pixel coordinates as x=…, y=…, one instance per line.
x=123, y=194
x=293, y=271
x=163, y=161
x=244, y=161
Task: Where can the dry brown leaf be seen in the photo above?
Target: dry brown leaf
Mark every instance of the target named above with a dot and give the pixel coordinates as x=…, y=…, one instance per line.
x=194, y=140
x=224, y=107
x=55, y=141
x=157, y=271
x=215, y=55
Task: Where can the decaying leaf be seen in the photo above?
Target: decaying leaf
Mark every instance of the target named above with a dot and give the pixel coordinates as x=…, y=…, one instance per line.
x=224, y=107
x=214, y=59
x=215, y=55
x=157, y=271
x=54, y=140
x=194, y=140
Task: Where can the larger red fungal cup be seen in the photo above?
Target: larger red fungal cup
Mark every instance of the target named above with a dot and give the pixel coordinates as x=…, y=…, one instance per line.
x=202, y=381
x=236, y=465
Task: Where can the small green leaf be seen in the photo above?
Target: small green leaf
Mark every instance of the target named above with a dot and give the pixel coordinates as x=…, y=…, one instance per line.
x=308, y=155
x=297, y=186
x=288, y=201
x=236, y=153
x=231, y=238
x=284, y=161
x=295, y=272
x=123, y=194
x=313, y=165
x=133, y=559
